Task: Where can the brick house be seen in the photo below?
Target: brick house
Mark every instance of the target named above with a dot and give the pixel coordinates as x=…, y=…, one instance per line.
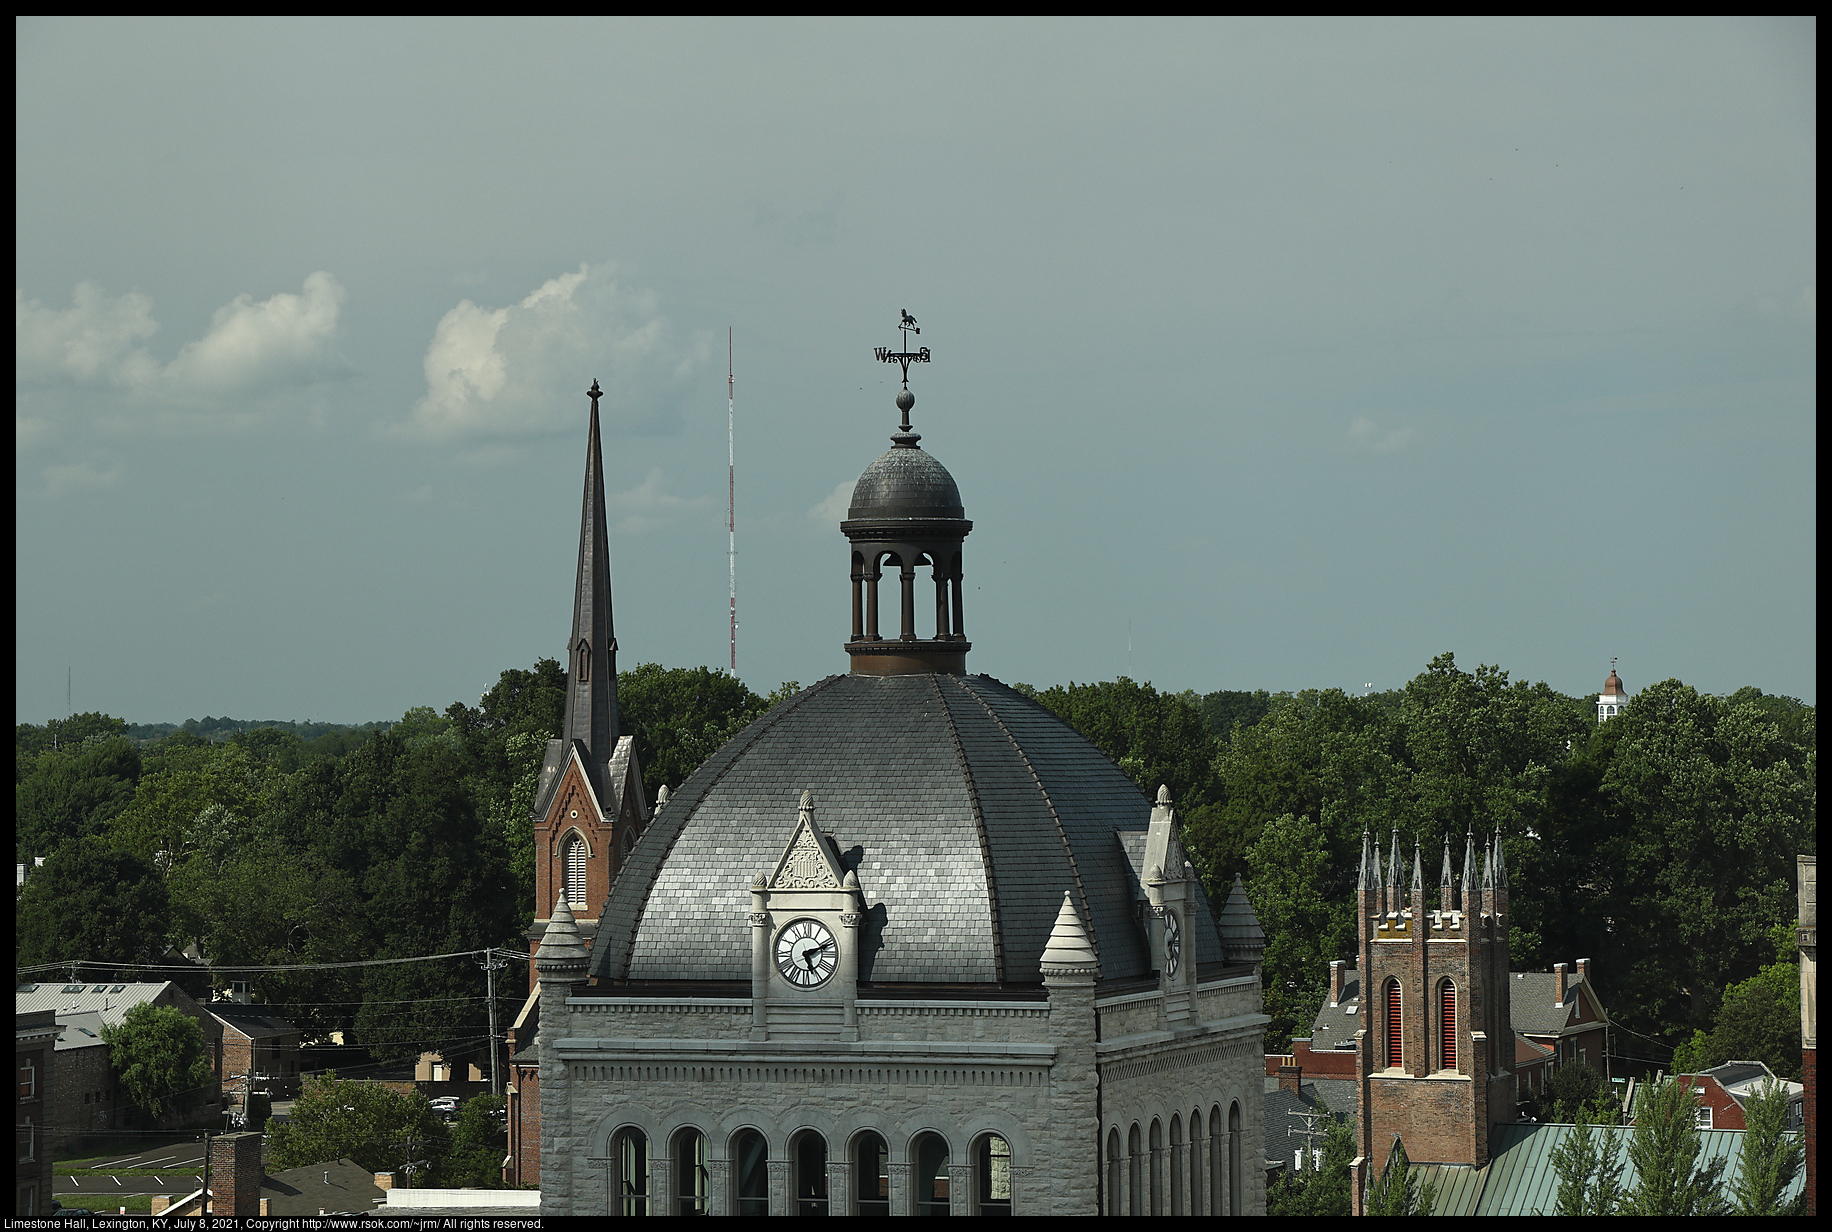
x=36, y=1039
x=1724, y=1092
x=260, y=1050
x=86, y=1095
x=1560, y=1010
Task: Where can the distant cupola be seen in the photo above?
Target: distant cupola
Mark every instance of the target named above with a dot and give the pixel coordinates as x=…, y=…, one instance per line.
x=1613, y=697
x=905, y=515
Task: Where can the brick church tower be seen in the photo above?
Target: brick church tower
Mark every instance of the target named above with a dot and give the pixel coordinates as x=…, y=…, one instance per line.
x=589, y=806
x=1435, y=1053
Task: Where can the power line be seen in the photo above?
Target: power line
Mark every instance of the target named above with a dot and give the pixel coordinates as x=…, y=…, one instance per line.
x=232, y=968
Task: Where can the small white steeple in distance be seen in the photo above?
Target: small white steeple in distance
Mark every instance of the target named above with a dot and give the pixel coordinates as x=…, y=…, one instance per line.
x=1613, y=697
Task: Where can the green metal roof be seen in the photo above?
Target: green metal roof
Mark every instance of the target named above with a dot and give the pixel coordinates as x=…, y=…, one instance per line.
x=1521, y=1180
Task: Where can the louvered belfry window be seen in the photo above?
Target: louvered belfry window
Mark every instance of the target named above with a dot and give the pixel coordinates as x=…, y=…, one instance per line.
x=575, y=869
x=1393, y=1025
x=1447, y=1023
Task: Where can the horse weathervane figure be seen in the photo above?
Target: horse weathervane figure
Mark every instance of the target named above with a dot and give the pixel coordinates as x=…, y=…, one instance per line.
x=905, y=357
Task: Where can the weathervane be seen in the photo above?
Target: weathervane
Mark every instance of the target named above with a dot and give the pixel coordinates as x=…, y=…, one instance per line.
x=905, y=357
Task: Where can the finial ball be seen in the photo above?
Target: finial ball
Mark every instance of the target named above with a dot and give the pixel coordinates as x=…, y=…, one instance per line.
x=905, y=400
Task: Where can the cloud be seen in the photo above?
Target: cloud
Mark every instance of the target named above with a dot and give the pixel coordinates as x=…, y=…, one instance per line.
x=82, y=477
x=1365, y=435
x=250, y=347
x=835, y=507
x=524, y=369
x=94, y=342
x=29, y=431
x=646, y=506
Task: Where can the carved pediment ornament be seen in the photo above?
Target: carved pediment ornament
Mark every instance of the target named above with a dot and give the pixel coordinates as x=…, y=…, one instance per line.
x=805, y=866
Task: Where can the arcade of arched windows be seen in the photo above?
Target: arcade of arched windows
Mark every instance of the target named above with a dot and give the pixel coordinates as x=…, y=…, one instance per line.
x=945, y=569
x=705, y=1168
x=1182, y=1164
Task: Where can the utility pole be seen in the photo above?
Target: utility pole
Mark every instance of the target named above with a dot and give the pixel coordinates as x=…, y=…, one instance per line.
x=492, y=962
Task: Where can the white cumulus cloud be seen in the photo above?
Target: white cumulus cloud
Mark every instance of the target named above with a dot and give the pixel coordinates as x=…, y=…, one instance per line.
x=838, y=502
x=251, y=347
x=525, y=368
x=1365, y=434
x=649, y=505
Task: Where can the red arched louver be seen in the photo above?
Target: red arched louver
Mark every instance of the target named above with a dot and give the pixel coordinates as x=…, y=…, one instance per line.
x=1447, y=1023
x=1393, y=1035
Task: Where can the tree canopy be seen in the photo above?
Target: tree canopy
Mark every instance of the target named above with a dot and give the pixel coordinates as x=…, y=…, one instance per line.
x=370, y=1124
x=162, y=1058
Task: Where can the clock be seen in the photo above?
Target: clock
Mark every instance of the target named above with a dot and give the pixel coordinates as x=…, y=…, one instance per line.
x=1173, y=943
x=806, y=953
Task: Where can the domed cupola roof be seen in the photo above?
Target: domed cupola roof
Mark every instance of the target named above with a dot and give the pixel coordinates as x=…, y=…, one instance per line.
x=905, y=482
x=965, y=810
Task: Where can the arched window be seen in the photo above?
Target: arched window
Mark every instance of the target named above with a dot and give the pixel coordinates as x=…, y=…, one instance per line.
x=810, y=1154
x=1447, y=1025
x=585, y=661
x=1234, y=1149
x=1157, y=1167
x=1395, y=1053
x=931, y=1175
x=751, y=1155
x=1116, y=1175
x=1199, y=1150
x=1217, y=1169
x=1135, y=1172
x=690, y=1174
x=992, y=1176
x=631, y=1151
x=1176, y=1166
x=871, y=1170
x=574, y=862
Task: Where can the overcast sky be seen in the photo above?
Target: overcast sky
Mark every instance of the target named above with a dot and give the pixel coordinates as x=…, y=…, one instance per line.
x=1274, y=355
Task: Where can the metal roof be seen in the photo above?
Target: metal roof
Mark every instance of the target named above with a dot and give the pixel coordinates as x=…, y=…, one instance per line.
x=965, y=808
x=109, y=1000
x=1520, y=1178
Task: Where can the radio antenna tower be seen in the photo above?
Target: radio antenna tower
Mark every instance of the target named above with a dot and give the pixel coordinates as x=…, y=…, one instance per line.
x=731, y=489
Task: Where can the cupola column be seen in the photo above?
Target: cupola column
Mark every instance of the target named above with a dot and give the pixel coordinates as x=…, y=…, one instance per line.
x=908, y=632
x=858, y=601
x=871, y=600
x=941, y=604
x=960, y=629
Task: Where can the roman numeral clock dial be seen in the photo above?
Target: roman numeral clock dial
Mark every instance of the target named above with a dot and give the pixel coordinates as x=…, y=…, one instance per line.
x=806, y=953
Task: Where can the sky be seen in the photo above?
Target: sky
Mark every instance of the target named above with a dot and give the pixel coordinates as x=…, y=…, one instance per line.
x=1267, y=354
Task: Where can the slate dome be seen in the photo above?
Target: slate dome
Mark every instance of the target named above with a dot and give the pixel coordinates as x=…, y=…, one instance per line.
x=905, y=482
x=965, y=809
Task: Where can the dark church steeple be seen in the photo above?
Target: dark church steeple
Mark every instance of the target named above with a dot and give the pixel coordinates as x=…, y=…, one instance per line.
x=591, y=667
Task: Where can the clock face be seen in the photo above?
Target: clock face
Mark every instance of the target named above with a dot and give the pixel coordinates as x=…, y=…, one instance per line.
x=1173, y=943
x=806, y=953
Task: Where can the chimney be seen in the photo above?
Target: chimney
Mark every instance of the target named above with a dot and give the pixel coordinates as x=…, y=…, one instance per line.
x=1559, y=970
x=1584, y=969
x=384, y=1180
x=1336, y=968
x=1291, y=1077
x=235, y=1175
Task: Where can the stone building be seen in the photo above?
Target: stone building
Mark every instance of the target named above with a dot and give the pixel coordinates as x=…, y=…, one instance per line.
x=35, y=1033
x=905, y=945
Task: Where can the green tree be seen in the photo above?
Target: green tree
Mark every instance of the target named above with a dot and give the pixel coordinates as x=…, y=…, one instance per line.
x=1576, y=1091
x=365, y=1122
x=479, y=1140
x=1664, y=1148
x=1156, y=738
x=1325, y=1192
x=1223, y=709
x=198, y=802
x=680, y=716
x=1757, y=1020
x=1304, y=930
x=1772, y=1157
x=1396, y=1191
x=162, y=1058
x=91, y=903
x=73, y=792
x=63, y=734
x=1589, y=1168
